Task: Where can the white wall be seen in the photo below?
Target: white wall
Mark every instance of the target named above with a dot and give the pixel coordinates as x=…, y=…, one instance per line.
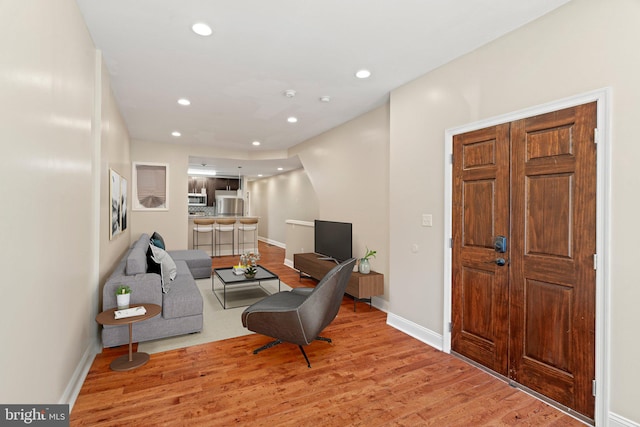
x=583, y=46
x=48, y=214
x=349, y=169
x=115, y=150
x=172, y=224
x=279, y=198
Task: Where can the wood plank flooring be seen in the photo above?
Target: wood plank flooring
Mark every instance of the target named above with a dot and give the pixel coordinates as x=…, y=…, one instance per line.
x=371, y=375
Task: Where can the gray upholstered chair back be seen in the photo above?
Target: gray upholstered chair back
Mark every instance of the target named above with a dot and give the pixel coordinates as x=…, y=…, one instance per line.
x=323, y=303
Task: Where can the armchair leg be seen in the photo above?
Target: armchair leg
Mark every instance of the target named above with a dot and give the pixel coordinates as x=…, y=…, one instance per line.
x=267, y=346
x=276, y=342
x=305, y=356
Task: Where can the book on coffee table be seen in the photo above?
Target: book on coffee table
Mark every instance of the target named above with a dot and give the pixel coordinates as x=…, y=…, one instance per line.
x=130, y=312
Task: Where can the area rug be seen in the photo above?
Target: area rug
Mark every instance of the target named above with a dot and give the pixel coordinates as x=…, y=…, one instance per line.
x=218, y=323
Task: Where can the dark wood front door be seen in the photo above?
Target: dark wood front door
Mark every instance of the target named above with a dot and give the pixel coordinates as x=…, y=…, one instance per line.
x=480, y=327
x=531, y=317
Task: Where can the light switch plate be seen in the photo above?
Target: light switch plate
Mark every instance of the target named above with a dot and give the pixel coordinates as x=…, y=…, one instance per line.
x=427, y=220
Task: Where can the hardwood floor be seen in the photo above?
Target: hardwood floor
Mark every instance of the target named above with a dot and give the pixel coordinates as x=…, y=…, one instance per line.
x=371, y=375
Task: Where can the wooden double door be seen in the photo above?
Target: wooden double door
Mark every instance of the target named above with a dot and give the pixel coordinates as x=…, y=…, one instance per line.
x=524, y=242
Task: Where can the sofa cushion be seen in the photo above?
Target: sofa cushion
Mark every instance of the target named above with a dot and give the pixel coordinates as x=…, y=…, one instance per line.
x=198, y=261
x=184, y=298
x=137, y=258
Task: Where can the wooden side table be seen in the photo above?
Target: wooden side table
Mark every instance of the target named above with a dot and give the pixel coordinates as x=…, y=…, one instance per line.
x=361, y=286
x=132, y=360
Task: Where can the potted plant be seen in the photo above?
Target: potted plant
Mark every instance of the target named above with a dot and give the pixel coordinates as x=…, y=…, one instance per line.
x=250, y=272
x=363, y=266
x=123, y=296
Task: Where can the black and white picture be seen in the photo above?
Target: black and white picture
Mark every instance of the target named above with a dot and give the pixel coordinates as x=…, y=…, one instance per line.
x=150, y=187
x=123, y=203
x=115, y=226
x=117, y=203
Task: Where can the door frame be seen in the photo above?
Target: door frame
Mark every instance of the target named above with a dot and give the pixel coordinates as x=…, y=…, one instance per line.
x=603, y=227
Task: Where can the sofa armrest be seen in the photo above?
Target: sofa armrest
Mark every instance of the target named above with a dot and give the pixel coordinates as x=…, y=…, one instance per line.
x=146, y=288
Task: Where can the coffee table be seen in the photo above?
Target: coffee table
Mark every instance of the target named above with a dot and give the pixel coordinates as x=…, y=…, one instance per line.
x=228, y=278
x=132, y=360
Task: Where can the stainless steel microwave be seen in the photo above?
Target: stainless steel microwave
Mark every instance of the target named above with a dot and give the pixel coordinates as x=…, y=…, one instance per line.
x=197, y=199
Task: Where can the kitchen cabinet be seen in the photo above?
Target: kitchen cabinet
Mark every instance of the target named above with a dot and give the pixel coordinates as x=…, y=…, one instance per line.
x=196, y=183
x=231, y=184
x=211, y=191
x=211, y=184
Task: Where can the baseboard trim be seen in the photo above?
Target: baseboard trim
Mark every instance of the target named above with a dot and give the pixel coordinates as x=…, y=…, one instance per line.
x=272, y=242
x=616, y=420
x=416, y=331
x=72, y=390
x=288, y=263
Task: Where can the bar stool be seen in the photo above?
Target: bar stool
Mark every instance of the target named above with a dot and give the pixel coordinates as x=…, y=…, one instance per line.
x=202, y=226
x=225, y=225
x=248, y=224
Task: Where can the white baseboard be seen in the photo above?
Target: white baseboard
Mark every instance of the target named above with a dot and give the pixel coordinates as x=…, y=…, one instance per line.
x=616, y=420
x=72, y=390
x=380, y=303
x=272, y=242
x=418, y=332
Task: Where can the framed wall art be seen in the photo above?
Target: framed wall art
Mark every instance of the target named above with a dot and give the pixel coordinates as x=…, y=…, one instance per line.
x=117, y=203
x=150, y=187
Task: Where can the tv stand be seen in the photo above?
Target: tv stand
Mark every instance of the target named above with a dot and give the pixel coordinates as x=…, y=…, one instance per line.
x=361, y=286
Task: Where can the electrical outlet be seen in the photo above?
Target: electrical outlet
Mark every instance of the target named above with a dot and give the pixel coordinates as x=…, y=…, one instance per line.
x=427, y=220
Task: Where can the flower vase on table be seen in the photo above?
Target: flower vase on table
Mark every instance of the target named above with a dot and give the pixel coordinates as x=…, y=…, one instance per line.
x=363, y=265
x=250, y=272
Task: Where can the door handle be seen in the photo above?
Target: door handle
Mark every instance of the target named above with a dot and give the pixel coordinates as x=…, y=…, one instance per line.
x=500, y=262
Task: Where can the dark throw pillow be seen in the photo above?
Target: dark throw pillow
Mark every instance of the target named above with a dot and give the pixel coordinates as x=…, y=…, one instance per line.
x=158, y=241
x=152, y=265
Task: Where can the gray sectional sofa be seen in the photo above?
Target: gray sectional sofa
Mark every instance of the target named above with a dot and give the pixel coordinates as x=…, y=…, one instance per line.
x=181, y=304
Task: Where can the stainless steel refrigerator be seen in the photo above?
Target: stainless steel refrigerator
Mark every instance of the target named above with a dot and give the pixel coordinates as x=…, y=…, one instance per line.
x=229, y=206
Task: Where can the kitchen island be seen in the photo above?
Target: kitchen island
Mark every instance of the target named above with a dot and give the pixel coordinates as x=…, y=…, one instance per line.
x=250, y=239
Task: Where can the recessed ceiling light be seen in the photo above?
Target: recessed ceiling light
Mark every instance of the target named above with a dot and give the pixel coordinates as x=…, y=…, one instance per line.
x=184, y=101
x=363, y=74
x=256, y=143
x=176, y=133
x=201, y=29
x=289, y=93
x=259, y=175
x=292, y=119
x=325, y=98
x=280, y=169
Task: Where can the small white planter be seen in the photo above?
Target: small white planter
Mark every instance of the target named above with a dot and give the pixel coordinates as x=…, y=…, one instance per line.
x=123, y=301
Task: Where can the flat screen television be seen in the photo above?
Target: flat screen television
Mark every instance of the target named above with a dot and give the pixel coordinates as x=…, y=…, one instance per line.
x=333, y=240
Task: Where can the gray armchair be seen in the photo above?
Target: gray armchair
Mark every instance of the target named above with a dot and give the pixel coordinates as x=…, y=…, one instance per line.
x=298, y=316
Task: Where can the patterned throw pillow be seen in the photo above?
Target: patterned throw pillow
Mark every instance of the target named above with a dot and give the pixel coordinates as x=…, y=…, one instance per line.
x=168, y=269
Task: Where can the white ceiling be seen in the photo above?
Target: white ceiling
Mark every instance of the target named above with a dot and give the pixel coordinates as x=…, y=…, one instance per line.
x=236, y=78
